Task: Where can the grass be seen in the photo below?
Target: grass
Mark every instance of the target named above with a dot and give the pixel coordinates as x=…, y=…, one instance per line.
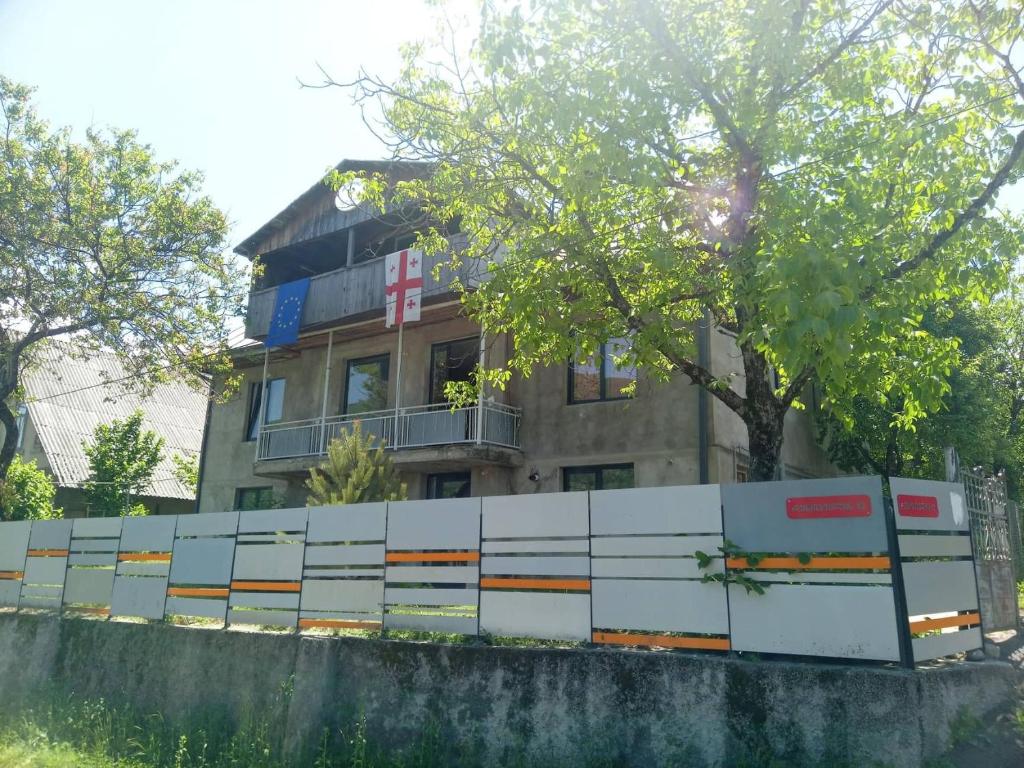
x=63, y=732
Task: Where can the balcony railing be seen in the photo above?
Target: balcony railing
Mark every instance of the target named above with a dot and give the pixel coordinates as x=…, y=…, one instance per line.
x=417, y=427
x=350, y=291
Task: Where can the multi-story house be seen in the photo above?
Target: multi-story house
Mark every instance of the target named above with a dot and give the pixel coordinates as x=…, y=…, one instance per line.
x=565, y=427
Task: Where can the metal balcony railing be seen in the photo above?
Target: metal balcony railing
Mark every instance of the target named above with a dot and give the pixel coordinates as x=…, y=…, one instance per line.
x=417, y=427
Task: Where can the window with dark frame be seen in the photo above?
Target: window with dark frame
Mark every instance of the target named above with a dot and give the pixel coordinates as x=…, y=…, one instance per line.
x=598, y=477
x=451, y=361
x=366, y=385
x=448, y=485
x=597, y=377
x=274, y=411
x=260, y=497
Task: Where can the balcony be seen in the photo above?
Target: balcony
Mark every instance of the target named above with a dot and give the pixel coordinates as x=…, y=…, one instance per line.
x=349, y=292
x=424, y=426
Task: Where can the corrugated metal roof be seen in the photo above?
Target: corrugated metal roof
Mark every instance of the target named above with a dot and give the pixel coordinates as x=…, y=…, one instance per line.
x=68, y=397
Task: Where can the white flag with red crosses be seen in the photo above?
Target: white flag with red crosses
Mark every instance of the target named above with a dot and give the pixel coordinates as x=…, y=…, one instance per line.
x=403, y=286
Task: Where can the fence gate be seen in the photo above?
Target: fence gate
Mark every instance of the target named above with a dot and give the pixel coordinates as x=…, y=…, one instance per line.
x=992, y=533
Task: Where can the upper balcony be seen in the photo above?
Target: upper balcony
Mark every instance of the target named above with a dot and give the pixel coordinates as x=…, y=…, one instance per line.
x=351, y=293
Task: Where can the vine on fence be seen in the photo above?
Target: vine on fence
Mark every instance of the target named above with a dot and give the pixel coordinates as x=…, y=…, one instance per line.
x=730, y=550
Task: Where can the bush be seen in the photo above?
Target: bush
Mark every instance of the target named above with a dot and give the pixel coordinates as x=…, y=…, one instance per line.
x=355, y=472
x=27, y=493
x=122, y=460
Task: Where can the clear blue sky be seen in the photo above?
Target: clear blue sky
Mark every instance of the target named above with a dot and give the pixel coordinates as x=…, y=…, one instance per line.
x=214, y=83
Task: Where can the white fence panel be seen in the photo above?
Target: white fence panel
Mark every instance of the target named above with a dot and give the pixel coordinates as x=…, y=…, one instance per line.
x=433, y=566
x=939, y=577
x=266, y=579
x=13, y=551
x=200, y=578
x=343, y=576
x=550, y=598
x=143, y=565
x=647, y=584
x=46, y=565
x=92, y=561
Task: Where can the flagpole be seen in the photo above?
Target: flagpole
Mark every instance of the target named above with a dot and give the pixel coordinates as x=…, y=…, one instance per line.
x=263, y=402
x=480, y=394
x=398, y=384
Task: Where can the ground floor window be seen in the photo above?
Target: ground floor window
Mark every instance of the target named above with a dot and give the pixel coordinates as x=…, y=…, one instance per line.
x=261, y=497
x=597, y=477
x=448, y=485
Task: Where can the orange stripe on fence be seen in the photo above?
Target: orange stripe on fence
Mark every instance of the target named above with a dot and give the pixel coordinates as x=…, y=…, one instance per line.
x=86, y=609
x=628, y=638
x=47, y=553
x=268, y=586
x=501, y=583
x=337, y=624
x=142, y=557
x=197, y=592
x=964, y=619
x=13, y=575
x=871, y=563
x=432, y=557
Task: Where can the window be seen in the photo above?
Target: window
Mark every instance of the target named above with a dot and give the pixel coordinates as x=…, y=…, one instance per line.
x=254, y=498
x=597, y=478
x=21, y=420
x=597, y=377
x=275, y=405
x=448, y=485
x=366, y=385
x=451, y=361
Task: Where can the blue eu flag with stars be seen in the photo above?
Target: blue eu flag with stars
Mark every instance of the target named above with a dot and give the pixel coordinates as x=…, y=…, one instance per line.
x=284, y=323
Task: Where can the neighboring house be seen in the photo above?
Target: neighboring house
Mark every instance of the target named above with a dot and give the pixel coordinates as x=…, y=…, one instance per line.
x=67, y=397
x=564, y=427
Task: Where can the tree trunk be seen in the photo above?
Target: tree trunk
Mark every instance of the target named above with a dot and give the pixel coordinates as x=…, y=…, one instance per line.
x=764, y=433
x=764, y=416
x=10, y=424
x=9, y=364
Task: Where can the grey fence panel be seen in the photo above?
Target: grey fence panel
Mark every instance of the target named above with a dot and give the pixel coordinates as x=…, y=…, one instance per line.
x=46, y=565
x=13, y=551
x=92, y=563
x=839, y=515
x=143, y=566
x=343, y=574
x=200, y=577
x=432, y=575
x=939, y=578
x=553, y=601
x=827, y=546
x=266, y=579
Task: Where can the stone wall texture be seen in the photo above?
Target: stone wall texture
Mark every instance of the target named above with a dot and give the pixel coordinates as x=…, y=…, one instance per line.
x=533, y=706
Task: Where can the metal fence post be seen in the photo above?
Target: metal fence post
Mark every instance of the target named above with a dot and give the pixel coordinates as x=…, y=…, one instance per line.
x=906, y=644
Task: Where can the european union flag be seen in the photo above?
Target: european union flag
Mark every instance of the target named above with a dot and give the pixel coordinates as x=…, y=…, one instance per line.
x=284, y=323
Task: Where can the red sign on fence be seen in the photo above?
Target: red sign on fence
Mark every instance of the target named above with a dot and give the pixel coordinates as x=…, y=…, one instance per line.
x=917, y=506
x=812, y=507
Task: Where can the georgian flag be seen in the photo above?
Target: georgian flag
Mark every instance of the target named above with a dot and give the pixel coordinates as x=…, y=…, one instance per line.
x=403, y=286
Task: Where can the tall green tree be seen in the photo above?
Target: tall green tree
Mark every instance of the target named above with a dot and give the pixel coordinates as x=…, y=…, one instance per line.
x=980, y=415
x=27, y=493
x=357, y=470
x=122, y=459
x=100, y=240
x=814, y=176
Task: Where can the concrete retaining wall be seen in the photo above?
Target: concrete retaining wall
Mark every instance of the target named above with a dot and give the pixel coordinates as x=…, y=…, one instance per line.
x=540, y=706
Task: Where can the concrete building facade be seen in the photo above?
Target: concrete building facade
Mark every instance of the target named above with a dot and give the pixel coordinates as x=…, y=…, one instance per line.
x=564, y=427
